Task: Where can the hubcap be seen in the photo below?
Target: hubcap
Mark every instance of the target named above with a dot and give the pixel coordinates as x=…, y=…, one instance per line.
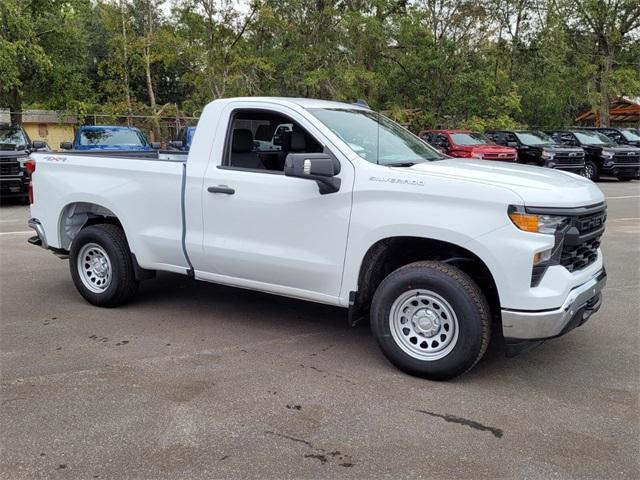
x=94, y=267
x=423, y=324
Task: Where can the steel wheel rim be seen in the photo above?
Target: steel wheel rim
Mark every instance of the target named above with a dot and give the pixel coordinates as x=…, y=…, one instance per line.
x=423, y=325
x=94, y=267
x=589, y=171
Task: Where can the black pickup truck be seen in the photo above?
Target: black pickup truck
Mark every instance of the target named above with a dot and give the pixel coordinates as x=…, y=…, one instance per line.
x=603, y=155
x=537, y=148
x=15, y=147
x=621, y=135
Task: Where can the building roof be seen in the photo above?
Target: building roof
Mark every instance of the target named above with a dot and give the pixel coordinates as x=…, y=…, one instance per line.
x=40, y=116
x=622, y=110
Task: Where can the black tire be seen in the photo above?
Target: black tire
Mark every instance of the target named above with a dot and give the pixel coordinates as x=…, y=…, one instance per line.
x=591, y=170
x=123, y=284
x=463, y=295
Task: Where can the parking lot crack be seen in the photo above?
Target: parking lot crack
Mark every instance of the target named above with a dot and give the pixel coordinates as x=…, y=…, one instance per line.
x=320, y=454
x=289, y=437
x=463, y=421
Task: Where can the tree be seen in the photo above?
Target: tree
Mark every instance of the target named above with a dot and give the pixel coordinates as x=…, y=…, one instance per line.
x=602, y=28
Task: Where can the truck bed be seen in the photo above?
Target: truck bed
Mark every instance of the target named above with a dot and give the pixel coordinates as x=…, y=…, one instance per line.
x=161, y=155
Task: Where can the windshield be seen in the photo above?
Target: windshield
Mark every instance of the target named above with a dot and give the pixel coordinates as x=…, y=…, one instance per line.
x=374, y=137
x=469, y=138
x=534, y=138
x=13, y=137
x=593, y=138
x=112, y=137
x=630, y=134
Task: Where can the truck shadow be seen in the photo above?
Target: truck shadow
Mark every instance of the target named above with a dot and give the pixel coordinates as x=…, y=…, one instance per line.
x=230, y=303
x=209, y=302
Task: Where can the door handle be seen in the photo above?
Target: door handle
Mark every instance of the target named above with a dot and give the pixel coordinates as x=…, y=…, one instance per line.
x=221, y=189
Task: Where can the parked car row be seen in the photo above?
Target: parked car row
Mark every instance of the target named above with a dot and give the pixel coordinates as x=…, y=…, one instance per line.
x=591, y=152
x=602, y=154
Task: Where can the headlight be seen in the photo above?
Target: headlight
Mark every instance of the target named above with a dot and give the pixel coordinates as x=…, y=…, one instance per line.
x=547, y=155
x=529, y=222
x=606, y=154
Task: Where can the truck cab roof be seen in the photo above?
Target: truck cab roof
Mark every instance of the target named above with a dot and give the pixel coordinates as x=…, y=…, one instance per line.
x=306, y=103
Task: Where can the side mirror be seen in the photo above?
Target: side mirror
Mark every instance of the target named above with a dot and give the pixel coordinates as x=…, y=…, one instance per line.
x=277, y=140
x=512, y=144
x=66, y=145
x=38, y=144
x=176, y=144
x=314, y=166
x=156, y=145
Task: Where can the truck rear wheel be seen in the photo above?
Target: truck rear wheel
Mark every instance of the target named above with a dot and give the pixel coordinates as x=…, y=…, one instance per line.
x=101, y=266
x=431, y=320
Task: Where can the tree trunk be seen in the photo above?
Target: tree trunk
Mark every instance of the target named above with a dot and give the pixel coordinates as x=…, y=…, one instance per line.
x=125, y=58
x=15, y=107
x=147, y=71
x=605, y=70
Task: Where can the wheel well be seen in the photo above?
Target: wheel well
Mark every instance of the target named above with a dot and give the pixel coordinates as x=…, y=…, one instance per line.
x=389, y=254
x=76, y=216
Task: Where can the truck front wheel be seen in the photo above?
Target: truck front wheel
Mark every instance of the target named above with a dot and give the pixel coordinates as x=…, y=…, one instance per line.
x=591, y=171
x=101, y=266
x=431, y=320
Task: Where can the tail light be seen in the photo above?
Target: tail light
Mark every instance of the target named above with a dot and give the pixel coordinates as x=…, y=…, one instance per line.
x=30, y=167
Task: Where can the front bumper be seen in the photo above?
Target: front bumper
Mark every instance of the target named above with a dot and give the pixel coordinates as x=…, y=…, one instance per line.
x=573, y=168
x=622, y=169
x=14, y=186
x=583, y=301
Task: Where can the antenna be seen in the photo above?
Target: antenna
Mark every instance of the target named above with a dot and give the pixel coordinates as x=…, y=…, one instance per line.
x=378, y=140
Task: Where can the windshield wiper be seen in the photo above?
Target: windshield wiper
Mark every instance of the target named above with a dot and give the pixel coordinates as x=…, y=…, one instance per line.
x=400, y=164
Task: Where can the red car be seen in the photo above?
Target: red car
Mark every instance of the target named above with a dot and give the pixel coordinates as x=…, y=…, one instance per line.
x=468, y=144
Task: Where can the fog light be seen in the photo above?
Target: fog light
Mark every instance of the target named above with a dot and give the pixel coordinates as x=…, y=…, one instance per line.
x=543, y=256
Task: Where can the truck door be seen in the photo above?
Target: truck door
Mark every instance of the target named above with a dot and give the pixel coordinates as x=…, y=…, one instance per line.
x=265, y=230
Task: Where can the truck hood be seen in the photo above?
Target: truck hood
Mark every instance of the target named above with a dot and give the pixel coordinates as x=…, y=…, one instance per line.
x=487, y=148
x=536, y=186
x=615, y=148
x=557, y=148
x=12, y=154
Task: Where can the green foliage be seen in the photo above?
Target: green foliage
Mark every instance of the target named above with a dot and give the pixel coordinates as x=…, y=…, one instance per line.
x=434, y=63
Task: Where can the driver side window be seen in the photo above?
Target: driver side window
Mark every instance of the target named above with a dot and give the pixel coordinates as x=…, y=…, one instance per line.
x=262, y=139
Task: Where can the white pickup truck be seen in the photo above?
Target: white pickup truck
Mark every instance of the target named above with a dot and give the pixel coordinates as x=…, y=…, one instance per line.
x=353, y=211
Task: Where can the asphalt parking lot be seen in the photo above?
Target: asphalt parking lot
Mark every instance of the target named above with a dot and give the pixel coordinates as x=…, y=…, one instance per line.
x=194, y=380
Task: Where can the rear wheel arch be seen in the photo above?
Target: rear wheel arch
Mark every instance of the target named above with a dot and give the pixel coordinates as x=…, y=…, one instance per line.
x=389, y=254
x=78, y=215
